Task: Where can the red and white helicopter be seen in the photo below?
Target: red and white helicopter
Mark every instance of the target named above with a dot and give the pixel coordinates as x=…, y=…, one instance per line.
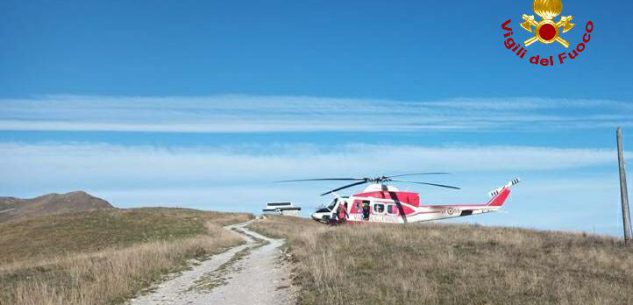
x=383, y=203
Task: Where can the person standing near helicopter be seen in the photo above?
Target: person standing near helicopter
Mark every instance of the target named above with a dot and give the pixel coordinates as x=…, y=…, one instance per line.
x=365, y=210
x=342, y=212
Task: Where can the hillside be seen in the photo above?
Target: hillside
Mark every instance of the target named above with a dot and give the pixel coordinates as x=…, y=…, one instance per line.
x=61, y=234
x=14, y=208
x=452, y=264
x=103, y=256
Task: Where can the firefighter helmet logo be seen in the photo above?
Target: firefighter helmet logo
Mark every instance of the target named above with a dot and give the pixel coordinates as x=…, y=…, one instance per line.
x=547, y=30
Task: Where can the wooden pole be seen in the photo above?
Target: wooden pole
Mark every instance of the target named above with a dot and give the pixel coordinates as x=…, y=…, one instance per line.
x=626, y=216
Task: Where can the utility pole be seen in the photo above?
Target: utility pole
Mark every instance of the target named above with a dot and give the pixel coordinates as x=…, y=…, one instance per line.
x=626, y=216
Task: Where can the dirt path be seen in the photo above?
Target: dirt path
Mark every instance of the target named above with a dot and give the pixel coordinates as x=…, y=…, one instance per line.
x=252, y=273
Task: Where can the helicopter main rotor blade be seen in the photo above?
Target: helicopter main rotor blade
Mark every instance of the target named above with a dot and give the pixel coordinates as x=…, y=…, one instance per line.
x=418, y=174
x=395, y=199
x=345, y=186
x=427, y=183
x=321, y=179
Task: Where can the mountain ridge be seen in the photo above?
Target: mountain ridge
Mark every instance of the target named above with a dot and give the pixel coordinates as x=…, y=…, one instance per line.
x=53, y=203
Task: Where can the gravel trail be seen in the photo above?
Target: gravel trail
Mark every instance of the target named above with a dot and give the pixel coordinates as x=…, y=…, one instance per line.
x=252, y=273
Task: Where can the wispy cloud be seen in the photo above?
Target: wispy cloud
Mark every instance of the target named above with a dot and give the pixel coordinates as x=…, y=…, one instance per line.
x=38, y=168
x=240, y=113
x=145, y=165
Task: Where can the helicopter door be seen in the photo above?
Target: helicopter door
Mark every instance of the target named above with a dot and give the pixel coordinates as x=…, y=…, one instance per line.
x=379, y=208
x=392, y=213
x=379, y=211
x=392, y=209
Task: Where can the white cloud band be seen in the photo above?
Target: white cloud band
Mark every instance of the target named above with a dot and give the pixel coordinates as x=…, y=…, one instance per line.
x=239, y=113
x=70, y=164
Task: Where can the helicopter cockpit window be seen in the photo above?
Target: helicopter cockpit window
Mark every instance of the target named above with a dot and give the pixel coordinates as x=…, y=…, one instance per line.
x=379, y=208
x=332, y=205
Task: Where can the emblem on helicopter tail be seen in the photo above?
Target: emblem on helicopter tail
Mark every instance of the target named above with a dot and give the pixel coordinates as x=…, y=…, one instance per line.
x=451, y=211
x=547, y=28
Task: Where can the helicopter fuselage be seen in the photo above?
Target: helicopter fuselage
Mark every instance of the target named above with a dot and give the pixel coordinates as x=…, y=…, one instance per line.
x=386, y=204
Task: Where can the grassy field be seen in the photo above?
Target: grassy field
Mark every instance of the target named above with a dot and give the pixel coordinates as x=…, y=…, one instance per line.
x=103, y=257
x=452, y=264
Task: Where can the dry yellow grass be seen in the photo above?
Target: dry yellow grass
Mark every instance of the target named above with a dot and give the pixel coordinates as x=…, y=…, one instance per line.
x=61, y=234
x=452, y=264
x=111, y=275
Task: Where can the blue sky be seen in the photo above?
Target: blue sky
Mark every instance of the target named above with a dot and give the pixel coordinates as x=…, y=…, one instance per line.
x=204, y=103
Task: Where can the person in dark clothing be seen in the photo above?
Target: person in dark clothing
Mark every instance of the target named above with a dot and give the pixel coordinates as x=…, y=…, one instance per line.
x=365, y=210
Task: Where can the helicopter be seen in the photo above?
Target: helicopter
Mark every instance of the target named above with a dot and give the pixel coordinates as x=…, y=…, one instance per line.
x=381, y=202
